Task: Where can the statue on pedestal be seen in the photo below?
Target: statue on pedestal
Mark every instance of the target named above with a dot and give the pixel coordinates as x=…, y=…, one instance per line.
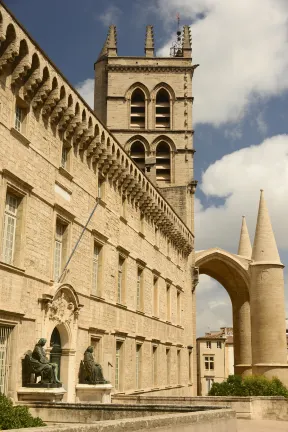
x=92, y=372
x=38, y=364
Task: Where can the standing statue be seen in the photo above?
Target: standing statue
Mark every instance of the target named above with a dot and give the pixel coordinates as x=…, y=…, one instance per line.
x=93, y=373
x=40, y=365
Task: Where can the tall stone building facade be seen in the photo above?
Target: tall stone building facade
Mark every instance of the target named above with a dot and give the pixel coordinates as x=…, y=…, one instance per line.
x=128, y=287
x=97, y=226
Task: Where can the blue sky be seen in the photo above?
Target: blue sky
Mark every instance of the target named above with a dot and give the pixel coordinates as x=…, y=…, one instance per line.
x=240, y=109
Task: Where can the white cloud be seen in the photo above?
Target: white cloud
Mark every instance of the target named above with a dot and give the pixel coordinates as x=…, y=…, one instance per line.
x=110, y=16
x=242, y=50
x=237, y=178
x=86, y=90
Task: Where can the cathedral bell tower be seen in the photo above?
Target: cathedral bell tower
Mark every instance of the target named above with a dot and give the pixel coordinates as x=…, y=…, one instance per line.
x=146, y=102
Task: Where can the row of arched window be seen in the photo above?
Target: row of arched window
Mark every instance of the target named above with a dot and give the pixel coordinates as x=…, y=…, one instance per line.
x=138, y=109
x=163, y=159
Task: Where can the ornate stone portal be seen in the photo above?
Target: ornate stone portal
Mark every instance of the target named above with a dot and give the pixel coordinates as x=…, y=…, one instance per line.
x=60, y=308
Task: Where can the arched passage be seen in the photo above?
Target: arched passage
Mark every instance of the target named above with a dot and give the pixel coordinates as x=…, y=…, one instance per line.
x=231, y=272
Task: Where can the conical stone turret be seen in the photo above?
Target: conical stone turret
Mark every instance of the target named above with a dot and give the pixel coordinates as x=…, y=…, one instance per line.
x=110, y=46
x=269, y=350
x=149, y=41
x=245, y=248
x=264, y=247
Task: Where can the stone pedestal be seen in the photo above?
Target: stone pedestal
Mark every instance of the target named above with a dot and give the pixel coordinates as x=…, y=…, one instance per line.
x=98, y=393
x=30, y=394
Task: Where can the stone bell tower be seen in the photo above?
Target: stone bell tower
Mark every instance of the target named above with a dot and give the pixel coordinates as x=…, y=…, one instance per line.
x=146, y=102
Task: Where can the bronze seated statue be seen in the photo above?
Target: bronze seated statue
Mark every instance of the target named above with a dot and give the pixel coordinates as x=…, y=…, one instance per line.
x=36, y=364
x=90, y=371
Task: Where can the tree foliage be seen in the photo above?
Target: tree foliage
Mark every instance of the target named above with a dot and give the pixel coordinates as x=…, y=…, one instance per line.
x=235, y=385
x=16, y=417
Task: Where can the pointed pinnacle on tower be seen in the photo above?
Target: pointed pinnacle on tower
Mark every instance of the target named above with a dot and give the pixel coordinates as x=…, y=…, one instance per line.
x=149, y=41
x=110, y=46
x=187, y=42
x=264, y=246
x=244, y=248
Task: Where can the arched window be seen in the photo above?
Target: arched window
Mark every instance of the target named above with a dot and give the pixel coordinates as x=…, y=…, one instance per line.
x=162, y=120
x=163, y=162
x=137, y=115
x=137, y=153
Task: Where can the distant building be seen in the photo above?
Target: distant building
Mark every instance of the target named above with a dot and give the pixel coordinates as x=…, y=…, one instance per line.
x=215, y=354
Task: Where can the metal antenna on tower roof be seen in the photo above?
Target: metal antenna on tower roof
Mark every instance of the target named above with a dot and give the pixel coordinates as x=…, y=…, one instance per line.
x=176, y=49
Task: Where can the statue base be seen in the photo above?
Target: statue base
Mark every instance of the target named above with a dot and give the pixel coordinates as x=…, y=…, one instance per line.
x=44, y=385
x=93, y=393
x=41, y=394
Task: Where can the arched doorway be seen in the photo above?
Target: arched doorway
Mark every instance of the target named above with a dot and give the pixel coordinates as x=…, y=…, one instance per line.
x=56, y=350
x=231, y=271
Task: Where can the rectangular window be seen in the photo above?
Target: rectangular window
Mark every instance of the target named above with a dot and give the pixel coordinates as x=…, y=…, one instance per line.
x=4, y=357
x=209, y=362
x=219, y=344
x=95, y=343
x=208, y=344
x=209, y=383
x=168, y=303
x=178, y=366
x=96, y=269
x=118, y=364
x=168, y=365
x=156, y=236
x=178, y=308
x=123, y=207
x=10, y=222
x=168, y=247
x=19, y=115
x=155, y=296
x=60, y=249
x=138, y=365
x=101, y=184
x=121, y=264
x=190, y=365
x=139, y=288
x=154, y=365
x=65, y=157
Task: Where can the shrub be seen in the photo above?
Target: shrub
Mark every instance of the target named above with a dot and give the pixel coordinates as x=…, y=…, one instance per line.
x=16, y=417
x=235, y=385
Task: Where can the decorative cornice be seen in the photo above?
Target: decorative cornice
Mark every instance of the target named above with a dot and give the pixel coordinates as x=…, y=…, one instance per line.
x=151, y=68
x=153, y=131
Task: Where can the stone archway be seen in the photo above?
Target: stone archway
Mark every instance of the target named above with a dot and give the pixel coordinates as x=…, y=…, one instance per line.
x=61, y=312
x=232, y=272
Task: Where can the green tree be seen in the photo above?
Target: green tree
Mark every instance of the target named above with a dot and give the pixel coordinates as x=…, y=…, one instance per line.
x=16, y=417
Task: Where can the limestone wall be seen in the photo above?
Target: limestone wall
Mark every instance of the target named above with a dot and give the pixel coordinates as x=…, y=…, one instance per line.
x=30, y=165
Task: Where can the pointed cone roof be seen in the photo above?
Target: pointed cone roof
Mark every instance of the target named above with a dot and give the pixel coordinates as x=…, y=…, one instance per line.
x=264, y=247
x=186, y=41
x=110, y=43
x=244, y=248
x=149, y=40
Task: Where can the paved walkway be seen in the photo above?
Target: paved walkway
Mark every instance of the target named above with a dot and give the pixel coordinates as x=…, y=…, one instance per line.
x=262, y=426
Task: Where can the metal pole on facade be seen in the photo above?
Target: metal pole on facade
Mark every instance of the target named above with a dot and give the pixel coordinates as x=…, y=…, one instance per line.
x=78, y=241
